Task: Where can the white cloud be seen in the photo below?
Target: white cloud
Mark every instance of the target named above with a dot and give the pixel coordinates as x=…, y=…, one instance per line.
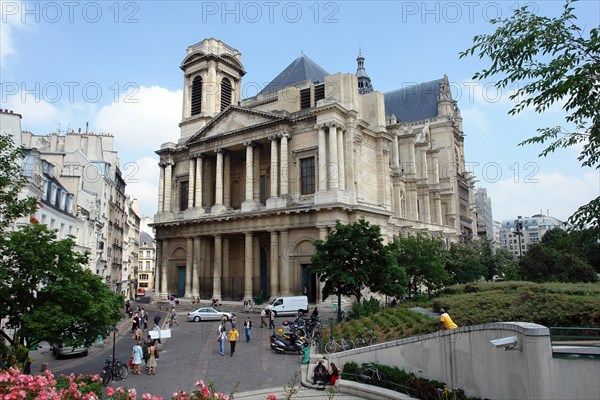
x=557, y=193
x=141, y=177
x=8, y=21
x=142, y=119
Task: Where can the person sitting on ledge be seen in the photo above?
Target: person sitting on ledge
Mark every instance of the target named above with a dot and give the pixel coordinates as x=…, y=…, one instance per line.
x=320, y=374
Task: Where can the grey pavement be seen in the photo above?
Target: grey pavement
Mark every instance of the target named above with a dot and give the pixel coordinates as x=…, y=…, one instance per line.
x=254, y=371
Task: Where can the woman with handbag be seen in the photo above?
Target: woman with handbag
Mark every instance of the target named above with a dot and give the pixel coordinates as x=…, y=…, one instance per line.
x=136, y=357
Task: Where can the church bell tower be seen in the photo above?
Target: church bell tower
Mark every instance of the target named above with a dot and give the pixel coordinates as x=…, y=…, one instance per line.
x=212, y=72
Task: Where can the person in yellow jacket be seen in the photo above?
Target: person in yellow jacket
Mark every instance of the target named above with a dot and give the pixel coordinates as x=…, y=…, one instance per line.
x=233, y=337
x=446, y=322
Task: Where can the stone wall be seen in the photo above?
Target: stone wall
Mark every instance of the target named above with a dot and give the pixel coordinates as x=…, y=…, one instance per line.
x=465, y=358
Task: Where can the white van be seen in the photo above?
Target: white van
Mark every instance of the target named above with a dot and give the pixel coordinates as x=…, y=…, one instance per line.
x=289, y=305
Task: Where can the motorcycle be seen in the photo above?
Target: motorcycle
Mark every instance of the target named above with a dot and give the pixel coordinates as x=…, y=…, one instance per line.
x=281, y=343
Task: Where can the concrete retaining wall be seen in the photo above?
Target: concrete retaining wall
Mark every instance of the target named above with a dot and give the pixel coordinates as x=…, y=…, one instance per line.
x=464, y=358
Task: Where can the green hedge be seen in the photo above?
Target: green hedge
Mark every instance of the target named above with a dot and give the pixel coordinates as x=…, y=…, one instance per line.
x=404, y=382
x=525, y=305
x=583, y=289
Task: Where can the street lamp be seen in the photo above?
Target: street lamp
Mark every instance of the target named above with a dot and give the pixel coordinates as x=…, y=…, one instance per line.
x=519, y=232
x=114, y=330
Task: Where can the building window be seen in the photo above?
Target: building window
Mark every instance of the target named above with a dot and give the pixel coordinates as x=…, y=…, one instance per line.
x=197, y=95
x=147, y=265
x=183, y=195
x=225, y=93
x=307, y=176
x=305, y=98
x=319, y=92
x=144, y=277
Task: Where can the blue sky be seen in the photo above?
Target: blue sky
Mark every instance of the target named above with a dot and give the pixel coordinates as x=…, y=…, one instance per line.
x=115, y=64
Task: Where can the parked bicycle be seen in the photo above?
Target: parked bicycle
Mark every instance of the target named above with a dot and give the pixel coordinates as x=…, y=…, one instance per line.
x=342, y=344
x=370, y=374
x=362, y=341
x=113, y=369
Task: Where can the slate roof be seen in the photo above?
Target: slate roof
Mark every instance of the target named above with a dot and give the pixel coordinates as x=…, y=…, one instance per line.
x=301, y=69
x=145, y=237
x=413, y=103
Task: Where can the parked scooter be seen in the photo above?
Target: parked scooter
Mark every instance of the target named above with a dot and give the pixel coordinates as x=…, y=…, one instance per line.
x=281, y=343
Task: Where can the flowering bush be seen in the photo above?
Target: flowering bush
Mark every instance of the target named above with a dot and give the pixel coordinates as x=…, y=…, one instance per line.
x=17, y=386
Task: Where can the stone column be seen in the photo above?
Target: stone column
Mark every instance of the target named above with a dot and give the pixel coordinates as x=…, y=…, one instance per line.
x=248, y=203
x=161, y=188
x=341, y=161
x=195, y=274
x=436, y=169
x=274, y=167
x=189, y=264
x=168, y=183
x=158, y=266
x=425, y=213
x=284, y=165
x=218, y=206
x=198, y=185
x=411, y=168
x=333, y=167
x=274, y=270
x=322, y=236
x=438, y=208
x=227, y=180
x=191, y=182
x=226, y=272
x=322, y=173
x=209, y=91
x=395, y=153
x=248, y=264
x=218, y=266
x=424, y=168
x=284, y=279
x=164, y=284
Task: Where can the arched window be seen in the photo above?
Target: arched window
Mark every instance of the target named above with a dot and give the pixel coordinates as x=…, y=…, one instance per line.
x=225, y=93
x=197, y=95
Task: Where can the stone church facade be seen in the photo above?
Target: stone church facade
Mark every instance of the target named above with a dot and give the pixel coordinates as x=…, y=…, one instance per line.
x=251, y=183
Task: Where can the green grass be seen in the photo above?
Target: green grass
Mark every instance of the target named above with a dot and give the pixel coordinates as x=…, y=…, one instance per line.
x=548, y=304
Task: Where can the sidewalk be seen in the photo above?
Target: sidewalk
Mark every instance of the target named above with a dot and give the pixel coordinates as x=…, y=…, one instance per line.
x=42, y=358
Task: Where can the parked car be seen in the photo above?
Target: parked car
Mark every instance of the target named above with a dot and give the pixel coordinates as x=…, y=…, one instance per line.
x=60, y=350
x=207, y=314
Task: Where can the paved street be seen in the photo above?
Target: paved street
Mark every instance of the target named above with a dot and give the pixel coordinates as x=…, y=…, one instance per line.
x=192, y=354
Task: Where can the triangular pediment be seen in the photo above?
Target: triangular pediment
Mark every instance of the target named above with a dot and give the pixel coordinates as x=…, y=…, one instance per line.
x=235, y=119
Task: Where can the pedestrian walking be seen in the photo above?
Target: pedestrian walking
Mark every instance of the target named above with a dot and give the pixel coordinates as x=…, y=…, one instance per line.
x=271, y=319
x=233, y=321
x=136, y=357
x=247, y=329
x=151, y=364
x=145, y=320
x=233, y=337
x=221, y=339
x=174, y=317
x=263, y=316
x=135, y=322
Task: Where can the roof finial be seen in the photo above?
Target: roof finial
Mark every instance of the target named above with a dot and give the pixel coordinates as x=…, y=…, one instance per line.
x=364, y=82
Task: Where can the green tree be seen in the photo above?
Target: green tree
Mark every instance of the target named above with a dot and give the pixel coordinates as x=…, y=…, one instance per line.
x=466, y=262
x=503, y=266
x=576, y=243
x=47, y=295
x=354, y=257
x=423, y=257
x=544, y=264
x=551, y=60
x=12, y=182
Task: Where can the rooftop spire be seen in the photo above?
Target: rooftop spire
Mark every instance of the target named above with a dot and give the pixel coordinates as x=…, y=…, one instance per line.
x=364, y=82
